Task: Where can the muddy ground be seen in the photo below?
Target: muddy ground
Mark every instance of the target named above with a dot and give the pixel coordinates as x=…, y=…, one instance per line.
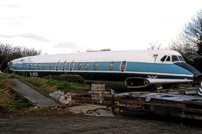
x=99, y=125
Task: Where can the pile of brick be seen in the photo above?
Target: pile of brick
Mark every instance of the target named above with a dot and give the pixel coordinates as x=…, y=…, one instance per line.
x=98, y=92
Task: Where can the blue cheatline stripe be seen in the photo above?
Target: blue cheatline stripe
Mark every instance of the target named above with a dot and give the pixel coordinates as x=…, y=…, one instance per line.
x=104, y=66
x=156, y=68
x=67, y=66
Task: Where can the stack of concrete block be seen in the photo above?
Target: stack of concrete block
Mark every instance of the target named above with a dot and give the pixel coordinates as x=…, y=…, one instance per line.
x=98, y=92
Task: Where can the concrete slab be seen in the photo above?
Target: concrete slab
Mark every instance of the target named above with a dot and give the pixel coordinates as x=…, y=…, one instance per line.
x=34, y=96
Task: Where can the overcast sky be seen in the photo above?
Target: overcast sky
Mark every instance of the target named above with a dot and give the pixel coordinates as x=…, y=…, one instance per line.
x=67, y=26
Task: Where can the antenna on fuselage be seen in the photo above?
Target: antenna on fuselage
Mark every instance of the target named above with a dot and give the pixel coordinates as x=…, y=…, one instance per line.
x=155, y=57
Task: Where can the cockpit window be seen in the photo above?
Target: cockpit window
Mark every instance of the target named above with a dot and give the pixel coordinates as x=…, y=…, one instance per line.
x=181, y=58
x=174, y=58
x=163, y=59
x=168, y=58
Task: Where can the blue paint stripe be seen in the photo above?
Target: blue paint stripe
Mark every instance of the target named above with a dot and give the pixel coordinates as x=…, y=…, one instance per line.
x=156, y=67
x=104, y=66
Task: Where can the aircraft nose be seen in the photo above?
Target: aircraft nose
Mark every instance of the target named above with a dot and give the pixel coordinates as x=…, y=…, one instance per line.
x=188, y=68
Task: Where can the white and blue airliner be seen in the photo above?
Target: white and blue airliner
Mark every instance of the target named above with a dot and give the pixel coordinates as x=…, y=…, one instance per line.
x=117, y=69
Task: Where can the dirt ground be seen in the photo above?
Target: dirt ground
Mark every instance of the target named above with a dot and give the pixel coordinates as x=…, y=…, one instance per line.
x=96, y=125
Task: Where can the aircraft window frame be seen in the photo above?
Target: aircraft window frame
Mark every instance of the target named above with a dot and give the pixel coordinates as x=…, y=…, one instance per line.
x=64, y=66
x=39, y=66
x=111, y=66
x=71, y=66
x=96, y=66
x=123, y=66
x=57, y=66
x=79, y=66
x=164, y=58
x=86, y=66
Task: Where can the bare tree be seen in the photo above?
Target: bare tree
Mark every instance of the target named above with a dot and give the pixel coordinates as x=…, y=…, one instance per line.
x=189, y=43
x=193, y=31
x=192, y=35
x=154, y=45
x=187, y=49
x=8, y=53
x=105, y=49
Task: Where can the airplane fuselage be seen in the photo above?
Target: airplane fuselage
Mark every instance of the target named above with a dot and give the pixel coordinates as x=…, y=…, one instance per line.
x=129, y=69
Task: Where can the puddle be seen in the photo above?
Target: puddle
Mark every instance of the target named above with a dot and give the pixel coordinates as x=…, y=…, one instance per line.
x=101, y=112
x=92, y=110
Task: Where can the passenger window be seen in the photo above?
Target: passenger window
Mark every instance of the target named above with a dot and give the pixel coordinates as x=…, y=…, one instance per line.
x=86, y=66
x=39, y=66
x=57, y=66
x=163, y=59
x=50, y=66
x=123, y=66
x=71, y=66
x=34, y=67
x=79, y=66
x=63, y=66
x=30, y=66
x=111, y=66
x=96, y=66
x=174, y=58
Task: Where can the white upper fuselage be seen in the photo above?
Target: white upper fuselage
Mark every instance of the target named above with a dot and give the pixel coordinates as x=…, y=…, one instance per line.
x=149, y=56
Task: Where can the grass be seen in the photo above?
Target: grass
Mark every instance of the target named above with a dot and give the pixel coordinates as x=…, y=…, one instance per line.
x=11, y=103
x=48, y=85
x=18, y=103
x=8, y=100
x=5, y=83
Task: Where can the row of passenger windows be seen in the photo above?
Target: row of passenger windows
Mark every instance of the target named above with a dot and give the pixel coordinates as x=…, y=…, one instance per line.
x=70, y=66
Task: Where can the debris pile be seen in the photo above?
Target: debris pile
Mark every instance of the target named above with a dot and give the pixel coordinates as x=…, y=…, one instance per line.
x=63, y=97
